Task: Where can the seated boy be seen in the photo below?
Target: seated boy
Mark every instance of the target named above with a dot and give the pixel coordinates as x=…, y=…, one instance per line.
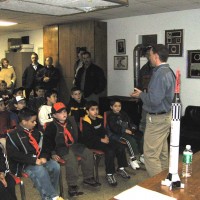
x=5, y=119
x=121, y=129
x=4, y=93
x=27, y=152
x=36, y=102
x=95, y=136
x=19, y=103
x=44, y=115
x=62, y=142
x=16, y=92
x=77, y=104
x=7, y=183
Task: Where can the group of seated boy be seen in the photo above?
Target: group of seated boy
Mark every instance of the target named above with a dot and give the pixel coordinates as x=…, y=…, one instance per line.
x=42, y=132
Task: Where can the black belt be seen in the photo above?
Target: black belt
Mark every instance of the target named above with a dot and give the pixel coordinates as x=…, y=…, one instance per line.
x=161, y=113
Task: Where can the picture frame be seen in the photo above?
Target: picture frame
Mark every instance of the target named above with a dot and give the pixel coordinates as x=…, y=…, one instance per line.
x=120, y=46
x=120, y=62
x=174, y=42
x=193, y=68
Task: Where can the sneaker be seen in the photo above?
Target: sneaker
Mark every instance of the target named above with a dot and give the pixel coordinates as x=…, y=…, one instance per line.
x=123, y=173
x=91, y=182
x=142, y=158
x=111, y=180
x=59, y=198
x=134, y=164
x=73, y=191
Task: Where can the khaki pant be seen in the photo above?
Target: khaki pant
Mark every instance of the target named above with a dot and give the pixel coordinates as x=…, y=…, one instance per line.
x=155, y=142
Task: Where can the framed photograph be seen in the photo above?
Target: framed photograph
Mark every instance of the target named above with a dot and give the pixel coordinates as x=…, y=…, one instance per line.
x=121, y=46
x=174, y=42
x=193, y=70
x=120, y=62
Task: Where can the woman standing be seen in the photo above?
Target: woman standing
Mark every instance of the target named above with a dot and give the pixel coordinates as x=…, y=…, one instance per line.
x=7, y=74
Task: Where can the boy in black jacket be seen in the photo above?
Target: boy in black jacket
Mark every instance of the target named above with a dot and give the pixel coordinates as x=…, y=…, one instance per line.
x=122, y=129
x=95, y=137
x=27, y=152
x=62, y=142
x=77, y=104
x=7, y=183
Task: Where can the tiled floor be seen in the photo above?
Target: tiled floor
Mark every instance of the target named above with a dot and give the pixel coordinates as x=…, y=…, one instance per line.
x=105, y=192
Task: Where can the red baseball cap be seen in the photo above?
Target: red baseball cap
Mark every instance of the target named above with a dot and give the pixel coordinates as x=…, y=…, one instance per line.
x=57, y=107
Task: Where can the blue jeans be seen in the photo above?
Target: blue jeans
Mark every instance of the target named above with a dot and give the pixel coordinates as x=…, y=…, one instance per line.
x=46, y=178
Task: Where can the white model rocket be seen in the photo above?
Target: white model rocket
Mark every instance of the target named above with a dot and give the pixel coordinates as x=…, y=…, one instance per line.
x=173, y=179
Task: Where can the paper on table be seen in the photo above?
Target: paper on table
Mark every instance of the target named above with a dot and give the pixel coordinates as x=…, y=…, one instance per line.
x=138, y=192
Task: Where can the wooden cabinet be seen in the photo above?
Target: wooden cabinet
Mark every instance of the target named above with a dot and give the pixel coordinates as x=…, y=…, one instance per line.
x=19, y=60
x=61, y=41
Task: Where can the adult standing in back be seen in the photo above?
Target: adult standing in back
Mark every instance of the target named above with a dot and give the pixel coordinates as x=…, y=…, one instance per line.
x=29, y=81
x=7, y=74
x=48, y=76
x=90, y=79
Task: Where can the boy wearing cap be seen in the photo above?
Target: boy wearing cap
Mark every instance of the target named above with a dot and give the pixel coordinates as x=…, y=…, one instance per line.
x=16, y=92
x=27, y=152
x=61, y=134
x=19, y=103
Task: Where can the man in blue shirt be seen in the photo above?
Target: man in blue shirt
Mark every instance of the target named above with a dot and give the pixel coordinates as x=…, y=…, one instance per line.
x=157, y=103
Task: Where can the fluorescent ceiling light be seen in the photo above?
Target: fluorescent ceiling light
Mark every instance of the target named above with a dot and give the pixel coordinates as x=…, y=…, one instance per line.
x=59, y=7
x=5, y=23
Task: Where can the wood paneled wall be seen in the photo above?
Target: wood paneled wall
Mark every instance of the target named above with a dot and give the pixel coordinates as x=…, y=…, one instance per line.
x=50, y=43
x=61, y=42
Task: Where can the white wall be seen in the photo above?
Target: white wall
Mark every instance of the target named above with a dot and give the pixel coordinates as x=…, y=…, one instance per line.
x=35, y=37
x=120, y=82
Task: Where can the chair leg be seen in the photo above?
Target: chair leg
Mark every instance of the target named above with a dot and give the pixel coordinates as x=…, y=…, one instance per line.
x=61, y=184
x=97, y=159
x=22, y=190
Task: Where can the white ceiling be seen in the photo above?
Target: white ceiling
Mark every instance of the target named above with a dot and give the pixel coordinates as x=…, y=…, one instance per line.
x=30, y=21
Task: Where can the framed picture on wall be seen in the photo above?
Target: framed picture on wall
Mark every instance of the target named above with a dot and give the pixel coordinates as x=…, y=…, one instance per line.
x=174, y=42
x=120, y=62
x=121, y=46
x=193, y=70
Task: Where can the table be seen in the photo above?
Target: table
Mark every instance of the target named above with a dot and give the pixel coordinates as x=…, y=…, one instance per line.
x=192, y=184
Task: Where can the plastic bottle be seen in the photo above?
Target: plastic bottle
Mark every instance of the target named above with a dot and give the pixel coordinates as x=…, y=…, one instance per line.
x=187, y=162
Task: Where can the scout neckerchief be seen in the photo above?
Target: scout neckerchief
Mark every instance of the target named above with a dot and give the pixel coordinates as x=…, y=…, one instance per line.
x=33, y=142
x=69, y=140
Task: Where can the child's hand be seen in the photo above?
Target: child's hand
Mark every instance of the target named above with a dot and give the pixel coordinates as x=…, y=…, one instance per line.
x=2, y=179
x=38, y=162
x=55, y=157
x=46, y=79
x=43, y=160
x=128, y=132
x=105, y=140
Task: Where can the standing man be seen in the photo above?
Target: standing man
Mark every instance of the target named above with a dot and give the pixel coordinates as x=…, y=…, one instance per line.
x=157, y=103
x=48, y=76
x=29, y=81
x=90, y=79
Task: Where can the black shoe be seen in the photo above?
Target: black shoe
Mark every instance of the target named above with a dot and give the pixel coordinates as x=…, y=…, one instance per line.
x=73, y=191
x=111, y=180
x=91, y=182
x=123, y=173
